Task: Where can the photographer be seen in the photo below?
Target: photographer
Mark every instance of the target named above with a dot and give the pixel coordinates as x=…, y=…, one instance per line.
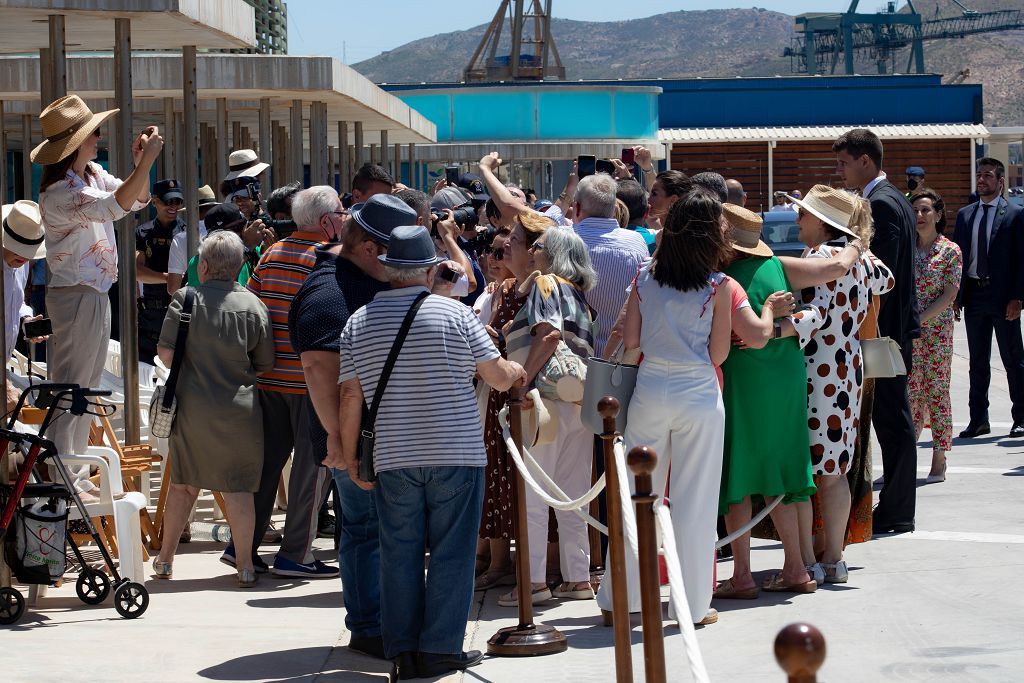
x=244, y=192
x=452, y=215
x=228, y=217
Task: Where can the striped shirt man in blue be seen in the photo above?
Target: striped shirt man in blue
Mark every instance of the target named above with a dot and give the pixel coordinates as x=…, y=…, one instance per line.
x=616, y=253
x=428, y=451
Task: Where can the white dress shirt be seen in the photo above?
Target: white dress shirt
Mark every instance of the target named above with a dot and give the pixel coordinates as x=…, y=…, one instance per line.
x=870, y=186
x=79, y=218
x=15, y=307
x=177, y=259
x=972, y=267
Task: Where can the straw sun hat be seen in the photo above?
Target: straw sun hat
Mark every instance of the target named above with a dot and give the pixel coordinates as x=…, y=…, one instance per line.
x=67, y=123
x=745, y=231
x=832, y=206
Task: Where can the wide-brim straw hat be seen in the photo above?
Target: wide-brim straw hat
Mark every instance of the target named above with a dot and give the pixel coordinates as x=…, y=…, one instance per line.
x=23, y=230
x=244, y=162
x=745, y=231
x=67, y=123
x=835, y=207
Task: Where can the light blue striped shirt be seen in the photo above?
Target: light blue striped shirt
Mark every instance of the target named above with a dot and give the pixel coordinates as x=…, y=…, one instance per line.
x=428, y=416
x=617, y=255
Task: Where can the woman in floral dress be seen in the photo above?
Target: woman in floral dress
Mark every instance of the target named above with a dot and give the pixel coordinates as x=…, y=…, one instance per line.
x=937, y=267
x=496, y=523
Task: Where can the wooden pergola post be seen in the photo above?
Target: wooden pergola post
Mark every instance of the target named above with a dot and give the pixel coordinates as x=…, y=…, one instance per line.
x=295, y=132
x=265, y=142
x=190, y=145
x=128, y=290
x=344, y=164
x=360, y=150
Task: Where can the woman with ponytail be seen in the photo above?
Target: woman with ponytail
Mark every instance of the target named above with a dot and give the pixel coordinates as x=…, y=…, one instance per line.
x=827, y=327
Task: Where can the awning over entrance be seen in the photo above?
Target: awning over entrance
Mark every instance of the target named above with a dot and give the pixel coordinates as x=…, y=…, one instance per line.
x=937, y=131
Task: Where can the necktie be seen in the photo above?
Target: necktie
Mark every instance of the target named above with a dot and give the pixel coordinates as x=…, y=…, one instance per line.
x=983, y=242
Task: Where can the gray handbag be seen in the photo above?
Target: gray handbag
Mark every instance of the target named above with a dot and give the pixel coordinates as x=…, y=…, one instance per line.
x=607, y=378
x=882, y=356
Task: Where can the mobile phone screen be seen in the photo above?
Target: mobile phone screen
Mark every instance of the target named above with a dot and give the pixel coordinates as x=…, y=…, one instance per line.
x=38, y=328
x=585, y=165
x=628, y=156
x=605, y=166
x=451, y=175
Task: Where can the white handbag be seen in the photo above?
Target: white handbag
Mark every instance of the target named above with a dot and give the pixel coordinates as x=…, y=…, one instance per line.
x=882, y=356
x=163, y=407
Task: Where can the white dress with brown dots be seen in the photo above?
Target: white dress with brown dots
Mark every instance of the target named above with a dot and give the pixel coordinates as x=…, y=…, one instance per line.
x=829, y=333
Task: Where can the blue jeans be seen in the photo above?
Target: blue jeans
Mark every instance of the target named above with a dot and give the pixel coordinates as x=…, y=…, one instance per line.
x=420, y=505
x=359, y=557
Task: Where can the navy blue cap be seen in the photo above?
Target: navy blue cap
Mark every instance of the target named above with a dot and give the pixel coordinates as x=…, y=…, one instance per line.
x=167, y=189
x=382, y=213
x=916, y=170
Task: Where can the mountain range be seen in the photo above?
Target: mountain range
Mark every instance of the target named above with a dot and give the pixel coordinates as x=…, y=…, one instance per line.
x=718, y=43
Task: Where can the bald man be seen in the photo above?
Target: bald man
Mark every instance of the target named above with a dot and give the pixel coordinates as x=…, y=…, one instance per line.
x=736, y=194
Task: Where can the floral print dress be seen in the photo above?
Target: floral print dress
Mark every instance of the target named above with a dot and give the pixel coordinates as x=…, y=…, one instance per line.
x=828, y=330
x=937, y=268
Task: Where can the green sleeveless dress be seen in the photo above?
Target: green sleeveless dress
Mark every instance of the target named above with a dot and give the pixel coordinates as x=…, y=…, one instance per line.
x=767, y=449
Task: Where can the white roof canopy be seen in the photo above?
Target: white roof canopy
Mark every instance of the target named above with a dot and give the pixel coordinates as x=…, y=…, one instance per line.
x=943, y=131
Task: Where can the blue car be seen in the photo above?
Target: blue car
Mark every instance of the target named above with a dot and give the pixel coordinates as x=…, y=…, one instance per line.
x=781, y=232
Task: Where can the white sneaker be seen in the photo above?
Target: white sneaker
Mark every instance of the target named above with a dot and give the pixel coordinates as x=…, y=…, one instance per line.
x=817, y=572
x=836, y=573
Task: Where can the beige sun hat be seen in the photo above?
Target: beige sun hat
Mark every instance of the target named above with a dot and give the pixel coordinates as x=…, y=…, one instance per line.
x=835, y=207
x=244, y=162
x=23, y=230
x=745, y=231
x=67, y=123
x=206, y=196
x=540, y=423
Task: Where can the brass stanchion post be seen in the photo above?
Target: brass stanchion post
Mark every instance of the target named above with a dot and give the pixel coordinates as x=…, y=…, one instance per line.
x=528, y=638
x=641, y=461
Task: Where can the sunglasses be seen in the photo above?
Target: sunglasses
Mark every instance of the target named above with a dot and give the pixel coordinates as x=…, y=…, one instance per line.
x=175, y=202
x=536, y=246
x=496, y=254
x=97, y=132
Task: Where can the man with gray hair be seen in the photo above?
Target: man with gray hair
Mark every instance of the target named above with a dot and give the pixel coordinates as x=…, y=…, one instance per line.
x=429, y=456
x=319, y=215
x=617, y=254
x=713, y=183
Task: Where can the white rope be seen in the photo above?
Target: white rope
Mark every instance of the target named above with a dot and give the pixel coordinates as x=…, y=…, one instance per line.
x=749, y=525
x=626, y=501
x=677, y=594
x=528, y=467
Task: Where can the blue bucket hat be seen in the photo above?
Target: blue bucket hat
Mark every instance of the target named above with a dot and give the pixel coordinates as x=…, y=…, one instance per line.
x=410, y=247
x=382, y=213
x=916, y=170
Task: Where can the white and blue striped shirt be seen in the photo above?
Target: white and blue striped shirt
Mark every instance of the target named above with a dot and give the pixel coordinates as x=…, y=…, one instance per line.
x=617, y=255
x=428, y=416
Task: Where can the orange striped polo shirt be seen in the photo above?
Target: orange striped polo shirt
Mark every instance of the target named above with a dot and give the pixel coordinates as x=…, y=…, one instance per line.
x=276, y=280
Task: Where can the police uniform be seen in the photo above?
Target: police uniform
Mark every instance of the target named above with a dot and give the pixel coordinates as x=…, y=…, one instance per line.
x=154, y=241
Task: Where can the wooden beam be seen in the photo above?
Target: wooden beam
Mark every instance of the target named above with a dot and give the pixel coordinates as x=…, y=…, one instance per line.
x=3, y=159
x=295, y=132
x=190, y=145
x=384, y=151
x=344, y=163
x=128, y=290
x=167, y=157
x=58, y=57
x=266, y=143
x=360, y=153
x=220, y=168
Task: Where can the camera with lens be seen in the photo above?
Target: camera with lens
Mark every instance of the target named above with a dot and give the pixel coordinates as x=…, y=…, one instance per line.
x=464, y=216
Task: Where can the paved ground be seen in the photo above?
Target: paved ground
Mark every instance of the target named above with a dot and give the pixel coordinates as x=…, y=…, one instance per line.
x=942, y=604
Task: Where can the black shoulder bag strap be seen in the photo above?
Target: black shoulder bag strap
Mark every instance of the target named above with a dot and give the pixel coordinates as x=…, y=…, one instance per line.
x=179, y=346
x=368, y=432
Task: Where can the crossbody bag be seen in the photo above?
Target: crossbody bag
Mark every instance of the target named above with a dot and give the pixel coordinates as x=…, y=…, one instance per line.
x=367, y=431
x=163, y=407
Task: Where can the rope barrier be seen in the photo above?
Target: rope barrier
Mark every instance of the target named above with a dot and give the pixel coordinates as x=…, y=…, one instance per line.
x=749, y=525
x=677, y=594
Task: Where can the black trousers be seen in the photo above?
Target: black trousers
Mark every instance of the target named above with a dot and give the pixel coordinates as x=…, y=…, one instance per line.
x=151, y=320
x=894, y=427
x=984, y=315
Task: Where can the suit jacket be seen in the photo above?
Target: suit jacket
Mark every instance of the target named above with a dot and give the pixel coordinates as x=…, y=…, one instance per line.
x=1005, y=251
x=894, y=243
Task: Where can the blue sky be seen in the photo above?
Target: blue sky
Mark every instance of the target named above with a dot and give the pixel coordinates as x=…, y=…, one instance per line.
x=358, y=30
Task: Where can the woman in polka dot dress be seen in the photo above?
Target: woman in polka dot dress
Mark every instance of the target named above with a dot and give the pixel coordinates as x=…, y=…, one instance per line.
x=828, y=329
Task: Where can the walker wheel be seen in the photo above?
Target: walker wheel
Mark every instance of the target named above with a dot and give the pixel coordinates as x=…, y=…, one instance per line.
x=12, y=606
x=92, y=586
x=131, y=599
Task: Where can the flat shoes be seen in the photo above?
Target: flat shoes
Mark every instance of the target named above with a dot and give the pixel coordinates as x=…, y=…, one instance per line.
x=776, y=584
x=727, y=591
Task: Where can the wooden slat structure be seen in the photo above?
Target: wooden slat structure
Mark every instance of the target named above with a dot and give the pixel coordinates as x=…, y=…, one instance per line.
x=771, y=163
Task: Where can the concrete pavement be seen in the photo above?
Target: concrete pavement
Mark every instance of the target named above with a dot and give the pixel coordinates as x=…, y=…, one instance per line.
x=942, y=604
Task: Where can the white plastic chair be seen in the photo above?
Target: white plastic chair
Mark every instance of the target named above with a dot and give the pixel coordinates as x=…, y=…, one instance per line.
x=114, y=502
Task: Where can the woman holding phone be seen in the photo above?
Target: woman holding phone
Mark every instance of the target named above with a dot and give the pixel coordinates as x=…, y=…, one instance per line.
x=79, y=202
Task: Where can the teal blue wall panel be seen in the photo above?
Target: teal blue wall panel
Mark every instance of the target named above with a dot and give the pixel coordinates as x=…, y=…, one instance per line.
x=493, y=116
x=437, y=108
x=636, y=115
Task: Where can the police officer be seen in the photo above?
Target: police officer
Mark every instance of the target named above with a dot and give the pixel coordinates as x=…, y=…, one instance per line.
x=152, y=247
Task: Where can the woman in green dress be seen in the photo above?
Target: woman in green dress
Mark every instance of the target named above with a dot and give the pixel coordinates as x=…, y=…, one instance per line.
x=766, y=442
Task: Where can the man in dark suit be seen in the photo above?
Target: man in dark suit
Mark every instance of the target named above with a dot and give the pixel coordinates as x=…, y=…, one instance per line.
x=859, y=163
x=990, y=233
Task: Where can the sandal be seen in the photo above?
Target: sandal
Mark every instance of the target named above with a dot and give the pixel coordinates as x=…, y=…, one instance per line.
x=572, y=591
x=776, y=584
x=482, y=563
x=162, y=570
x=246, y=578
x=538, y=596
x=494, y=577
x=727, y=590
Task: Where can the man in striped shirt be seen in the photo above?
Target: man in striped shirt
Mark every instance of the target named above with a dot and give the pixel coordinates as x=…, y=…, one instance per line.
x=282, y=392
x=429, y=451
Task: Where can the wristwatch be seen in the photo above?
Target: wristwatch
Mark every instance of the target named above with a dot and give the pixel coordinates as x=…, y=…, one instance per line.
x=776, y=330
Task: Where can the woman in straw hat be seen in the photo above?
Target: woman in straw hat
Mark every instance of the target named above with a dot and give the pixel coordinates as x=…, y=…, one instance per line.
x=770, y=460
x=79, y=202
x=828, y=332
x=678, y=317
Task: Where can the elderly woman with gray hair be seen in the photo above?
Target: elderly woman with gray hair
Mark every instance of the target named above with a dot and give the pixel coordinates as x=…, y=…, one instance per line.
x=216, y=442
x=555, y=329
